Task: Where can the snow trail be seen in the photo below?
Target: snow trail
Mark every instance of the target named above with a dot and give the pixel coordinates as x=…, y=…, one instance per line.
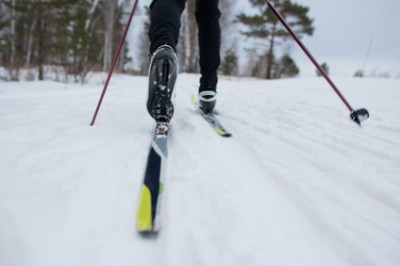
x=297, y=184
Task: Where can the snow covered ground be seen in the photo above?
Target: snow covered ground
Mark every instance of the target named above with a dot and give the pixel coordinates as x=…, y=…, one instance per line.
x=298, y=184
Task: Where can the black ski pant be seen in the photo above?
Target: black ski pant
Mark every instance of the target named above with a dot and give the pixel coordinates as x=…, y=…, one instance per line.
x=164, y=29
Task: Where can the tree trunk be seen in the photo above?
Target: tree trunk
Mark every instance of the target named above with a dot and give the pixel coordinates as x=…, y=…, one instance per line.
x=13, y=35
x=30, y=45
x=82, y=64
x=193, y=46
x=183, y=44
x=189, y=39
x=41, y=37
x=228, y=41
x=109, y=33
x=270, y=56
x=13, y=60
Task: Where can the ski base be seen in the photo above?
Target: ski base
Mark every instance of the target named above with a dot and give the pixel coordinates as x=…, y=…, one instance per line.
x=148, y=217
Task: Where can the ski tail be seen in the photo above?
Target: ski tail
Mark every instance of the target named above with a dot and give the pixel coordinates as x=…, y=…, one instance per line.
x=145, y=216
x=148, y=217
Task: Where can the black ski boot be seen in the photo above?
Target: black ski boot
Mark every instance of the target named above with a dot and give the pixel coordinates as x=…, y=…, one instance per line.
x=207, y=101
x=162, y=77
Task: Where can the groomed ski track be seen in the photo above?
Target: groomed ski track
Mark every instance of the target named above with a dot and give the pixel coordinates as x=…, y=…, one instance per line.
x=297, y=184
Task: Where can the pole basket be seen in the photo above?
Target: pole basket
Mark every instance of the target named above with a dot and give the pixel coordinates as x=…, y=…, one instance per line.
x=359, y=115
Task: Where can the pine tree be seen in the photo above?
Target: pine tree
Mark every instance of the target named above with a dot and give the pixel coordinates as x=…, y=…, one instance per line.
x=265, y=25
x=63, y=36
x=286, y=68
x=325, y=67
x=144, y=43
x=229, y=64
x=188, y=43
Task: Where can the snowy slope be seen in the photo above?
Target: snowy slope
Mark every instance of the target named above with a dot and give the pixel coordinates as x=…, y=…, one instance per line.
x=298, y=184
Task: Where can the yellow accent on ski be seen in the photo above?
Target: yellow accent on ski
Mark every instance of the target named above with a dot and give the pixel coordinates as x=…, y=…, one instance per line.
x=193, y=99
x=144, y=219
x=219, y=131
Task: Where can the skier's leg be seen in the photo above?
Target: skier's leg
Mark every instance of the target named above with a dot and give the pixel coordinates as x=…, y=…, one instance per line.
x=165, y=23
x=207, y=16
x=164, y=32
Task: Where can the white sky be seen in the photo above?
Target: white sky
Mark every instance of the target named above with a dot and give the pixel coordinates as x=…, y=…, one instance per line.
x=343, y=29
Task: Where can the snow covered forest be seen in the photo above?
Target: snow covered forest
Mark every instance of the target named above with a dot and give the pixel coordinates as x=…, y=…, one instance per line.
x=64, y=38
x=71, y=38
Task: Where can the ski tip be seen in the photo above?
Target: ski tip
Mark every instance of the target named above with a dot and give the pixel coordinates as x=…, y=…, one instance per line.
x=222, y=132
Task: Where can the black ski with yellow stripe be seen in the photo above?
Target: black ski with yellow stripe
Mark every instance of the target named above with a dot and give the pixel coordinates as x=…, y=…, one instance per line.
x=212, y=120
x=148, y=218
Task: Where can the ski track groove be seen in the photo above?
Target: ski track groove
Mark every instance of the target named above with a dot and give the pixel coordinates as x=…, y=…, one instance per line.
x=299, y=198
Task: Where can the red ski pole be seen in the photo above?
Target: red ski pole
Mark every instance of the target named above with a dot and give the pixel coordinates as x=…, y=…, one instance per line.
x=121, y=42
x=356, y=115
